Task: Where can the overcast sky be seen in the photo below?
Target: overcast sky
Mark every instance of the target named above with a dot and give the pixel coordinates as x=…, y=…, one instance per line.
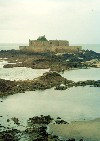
x=75, y=20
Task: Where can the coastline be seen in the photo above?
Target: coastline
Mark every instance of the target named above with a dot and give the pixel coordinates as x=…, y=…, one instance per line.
x=45, y=128
x=76, y=130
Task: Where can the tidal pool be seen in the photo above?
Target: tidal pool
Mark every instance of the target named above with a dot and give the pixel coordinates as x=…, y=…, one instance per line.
x=82, y=74
x=77, y=103
x=19, y=73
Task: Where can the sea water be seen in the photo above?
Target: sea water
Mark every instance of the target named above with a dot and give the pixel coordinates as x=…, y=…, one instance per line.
x=82, y=74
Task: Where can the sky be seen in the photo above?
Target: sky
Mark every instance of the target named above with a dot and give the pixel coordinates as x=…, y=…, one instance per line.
x=77, y=21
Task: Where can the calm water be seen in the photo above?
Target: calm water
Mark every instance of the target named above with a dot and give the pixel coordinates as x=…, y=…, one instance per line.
x=76, y=103
x=82, y=74
x=9, y=46
x=94, y=47
x=19, y=73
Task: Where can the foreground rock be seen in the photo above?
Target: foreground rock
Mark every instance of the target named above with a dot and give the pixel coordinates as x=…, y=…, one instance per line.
x=37, y=130
x=9, y=135
x=40, y=120
x=6, y=87
x=48, y=80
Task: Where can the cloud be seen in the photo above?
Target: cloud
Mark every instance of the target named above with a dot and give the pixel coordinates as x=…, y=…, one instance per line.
x=75, y=20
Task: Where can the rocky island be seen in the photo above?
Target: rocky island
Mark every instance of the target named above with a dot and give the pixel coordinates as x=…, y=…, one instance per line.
x=64, y=57
x=58, y=57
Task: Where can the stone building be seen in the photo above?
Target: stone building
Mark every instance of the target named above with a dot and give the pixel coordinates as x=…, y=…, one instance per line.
x=44, y=45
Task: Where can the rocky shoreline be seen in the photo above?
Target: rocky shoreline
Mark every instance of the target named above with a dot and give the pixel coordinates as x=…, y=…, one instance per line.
x=38, y=126
x=54, y=62
x=36, y=130
x=45, y=128
x=47, y=81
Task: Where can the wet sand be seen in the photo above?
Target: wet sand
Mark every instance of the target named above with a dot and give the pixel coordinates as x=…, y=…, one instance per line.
x=87, y=130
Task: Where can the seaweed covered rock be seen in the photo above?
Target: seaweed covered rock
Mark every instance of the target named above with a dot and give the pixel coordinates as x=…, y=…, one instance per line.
x=9, y=135
x=6, y=87
x=41, y=120
x=51, y=79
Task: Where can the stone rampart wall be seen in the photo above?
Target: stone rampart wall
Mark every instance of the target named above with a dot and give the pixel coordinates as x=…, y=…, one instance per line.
x=36, y=43
x=55, y=49
x=56, y=46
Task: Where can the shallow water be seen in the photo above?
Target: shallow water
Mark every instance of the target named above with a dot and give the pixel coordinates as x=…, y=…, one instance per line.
x=82, y=74
x=19, y=73
x=76, y=103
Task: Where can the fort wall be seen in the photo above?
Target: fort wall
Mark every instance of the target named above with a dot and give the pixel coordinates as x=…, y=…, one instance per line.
x=56, y=46
x=36, y=43
x=55, y=49
x=63, y=43
x=63, y=49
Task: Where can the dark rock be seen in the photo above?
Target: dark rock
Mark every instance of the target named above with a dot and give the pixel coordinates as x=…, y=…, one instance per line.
x=71, y=139
x=60, y=88
x=8, y=120
x=9, y=135
x=58, y=118
x=40, y=120
x=16, y=120
x=61, y=122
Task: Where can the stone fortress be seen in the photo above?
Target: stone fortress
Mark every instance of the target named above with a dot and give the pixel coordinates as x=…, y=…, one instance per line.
x=44, y=45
